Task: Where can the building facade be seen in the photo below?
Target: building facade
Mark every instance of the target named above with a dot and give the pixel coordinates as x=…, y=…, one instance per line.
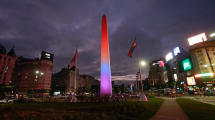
x=65, y=81
x=203, y=62
x=7, y=62
x=32, y=77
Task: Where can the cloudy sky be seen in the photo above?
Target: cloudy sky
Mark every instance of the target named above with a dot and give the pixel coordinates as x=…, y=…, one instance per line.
x=58, y=26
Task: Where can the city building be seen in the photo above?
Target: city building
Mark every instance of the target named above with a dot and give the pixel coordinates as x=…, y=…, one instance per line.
x=65, y=79
x=32, y=77
x=7, y=62
x=204, y=67
x=183, y=67
x=156, y=74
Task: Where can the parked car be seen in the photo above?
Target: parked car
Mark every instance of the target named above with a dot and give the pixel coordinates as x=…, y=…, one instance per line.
x=180, y=92
x=134, y=95
x=4, y=101
x=120, y=96
x=193, y=92
x=208, y=93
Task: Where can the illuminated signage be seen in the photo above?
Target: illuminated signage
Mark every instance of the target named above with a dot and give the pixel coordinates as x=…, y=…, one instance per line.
x=197, y=39
x=161, y=64
x=186, y=64
x=204, y=74
x=176, y=51
x=175, y=76
x=47, y=56
x=191, y=81
x=169, y=56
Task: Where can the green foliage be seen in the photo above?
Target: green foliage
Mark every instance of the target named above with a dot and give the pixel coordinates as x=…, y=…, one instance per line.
x=151, y=96
x=90, y=111
x=197, y=110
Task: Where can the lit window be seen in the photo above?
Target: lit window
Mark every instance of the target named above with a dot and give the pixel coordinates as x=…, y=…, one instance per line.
x=36, y=76
x=26, y=76
x=6, y=68
x=18, y=73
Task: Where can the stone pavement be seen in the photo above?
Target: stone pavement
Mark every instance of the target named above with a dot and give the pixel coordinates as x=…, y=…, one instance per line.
x=170, y=110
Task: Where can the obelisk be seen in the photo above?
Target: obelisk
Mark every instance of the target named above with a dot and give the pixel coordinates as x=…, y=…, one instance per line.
x=105, y=81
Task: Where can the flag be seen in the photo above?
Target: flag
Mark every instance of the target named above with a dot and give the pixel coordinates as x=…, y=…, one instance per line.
x=75, y=58
x=132, y=49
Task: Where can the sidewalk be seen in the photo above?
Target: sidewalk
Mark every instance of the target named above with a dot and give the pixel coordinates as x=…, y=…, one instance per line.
x=170, y=110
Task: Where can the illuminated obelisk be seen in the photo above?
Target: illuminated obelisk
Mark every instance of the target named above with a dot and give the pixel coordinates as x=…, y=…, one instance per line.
x=105, y=81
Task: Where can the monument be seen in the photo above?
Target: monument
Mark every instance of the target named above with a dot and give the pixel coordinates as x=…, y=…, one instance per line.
x=105, y=76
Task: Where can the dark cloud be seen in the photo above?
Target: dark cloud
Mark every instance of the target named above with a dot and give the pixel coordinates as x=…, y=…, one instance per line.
x=59, y=26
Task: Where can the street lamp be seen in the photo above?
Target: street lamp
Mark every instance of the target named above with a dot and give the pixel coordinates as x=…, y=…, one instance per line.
x=37, y=72
x=143, y=63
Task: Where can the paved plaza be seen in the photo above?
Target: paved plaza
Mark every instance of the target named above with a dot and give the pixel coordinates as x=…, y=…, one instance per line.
x=170, y=110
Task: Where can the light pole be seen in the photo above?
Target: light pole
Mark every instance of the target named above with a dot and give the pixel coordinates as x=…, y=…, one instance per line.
x=37, y=72
x=137, y=82
x=143, y=63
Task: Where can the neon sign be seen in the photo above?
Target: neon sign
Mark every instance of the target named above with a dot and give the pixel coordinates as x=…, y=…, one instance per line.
x=176, y=51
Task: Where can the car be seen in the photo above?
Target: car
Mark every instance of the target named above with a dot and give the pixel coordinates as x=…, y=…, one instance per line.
x=119, y=96
x=208, y=93
x=193, y=92
x=4, y=101
x=134, y=95
x=180, y=92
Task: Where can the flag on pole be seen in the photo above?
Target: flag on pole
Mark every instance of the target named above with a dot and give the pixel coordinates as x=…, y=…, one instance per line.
x=132, y=49
x=75, y=58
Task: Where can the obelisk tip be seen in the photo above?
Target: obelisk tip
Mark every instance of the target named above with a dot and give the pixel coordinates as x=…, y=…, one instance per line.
x=104, y=15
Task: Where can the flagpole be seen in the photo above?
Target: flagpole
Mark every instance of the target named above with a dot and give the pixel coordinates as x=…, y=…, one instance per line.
x=143, y=95
x=74, y=99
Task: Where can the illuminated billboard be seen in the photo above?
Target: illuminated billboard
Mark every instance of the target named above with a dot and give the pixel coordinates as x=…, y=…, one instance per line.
x=176, y=51
x=47, y=56
x=191, y=81
x=169, y=56
x=161, y=64
x=197, y=39
x=186, y=64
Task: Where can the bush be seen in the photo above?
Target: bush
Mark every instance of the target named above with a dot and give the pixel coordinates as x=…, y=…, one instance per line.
x=151, y=96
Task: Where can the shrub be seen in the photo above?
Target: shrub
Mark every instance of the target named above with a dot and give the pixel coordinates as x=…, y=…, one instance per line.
x=151, y=96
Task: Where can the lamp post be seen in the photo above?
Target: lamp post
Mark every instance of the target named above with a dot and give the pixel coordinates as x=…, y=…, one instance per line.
x=143, y=63
x=137, y=82
x=37, y=72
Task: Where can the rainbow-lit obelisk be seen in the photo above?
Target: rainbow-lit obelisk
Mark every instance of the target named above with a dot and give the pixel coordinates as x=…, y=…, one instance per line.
x=105, y=81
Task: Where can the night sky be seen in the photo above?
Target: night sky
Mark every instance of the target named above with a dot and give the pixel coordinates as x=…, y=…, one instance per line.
x=58, y=26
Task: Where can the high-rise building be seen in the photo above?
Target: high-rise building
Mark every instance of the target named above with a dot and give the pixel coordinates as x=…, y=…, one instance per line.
x=32, y=77
x=65, y=80
x=156, y=72
x=7, y=62
x=202, y=64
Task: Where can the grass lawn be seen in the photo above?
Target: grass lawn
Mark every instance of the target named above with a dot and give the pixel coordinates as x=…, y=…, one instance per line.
x=197, y=110
x=91, y=111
